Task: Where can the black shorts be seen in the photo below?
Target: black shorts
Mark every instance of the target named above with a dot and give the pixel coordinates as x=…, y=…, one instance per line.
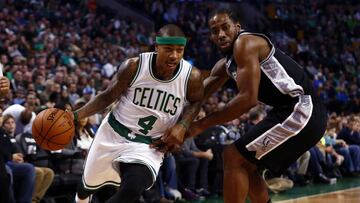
x=284, y=134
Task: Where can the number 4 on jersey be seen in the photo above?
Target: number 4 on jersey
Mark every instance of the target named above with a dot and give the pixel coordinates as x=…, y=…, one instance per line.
x=146, y=123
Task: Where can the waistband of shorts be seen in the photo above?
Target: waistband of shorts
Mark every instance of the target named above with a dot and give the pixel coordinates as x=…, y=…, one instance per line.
x=125, y=132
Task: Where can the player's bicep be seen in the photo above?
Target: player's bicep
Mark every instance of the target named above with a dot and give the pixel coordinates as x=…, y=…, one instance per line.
x=195, y=87
x=123, y=78
x=248, y=70
x=217, y=78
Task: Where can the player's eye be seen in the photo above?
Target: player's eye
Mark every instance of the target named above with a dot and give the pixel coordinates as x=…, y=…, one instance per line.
x=214, y=31
x=180, y=50
x=225, y=27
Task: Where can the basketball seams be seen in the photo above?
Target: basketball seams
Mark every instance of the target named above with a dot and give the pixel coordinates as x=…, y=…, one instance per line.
x=38, y=132
x=55, y=133
x=62, y=132
x=42, y=125
x=50, y=138
x=54, y=122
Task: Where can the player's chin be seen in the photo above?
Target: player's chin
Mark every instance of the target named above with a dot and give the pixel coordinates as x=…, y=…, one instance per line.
x=225, y=49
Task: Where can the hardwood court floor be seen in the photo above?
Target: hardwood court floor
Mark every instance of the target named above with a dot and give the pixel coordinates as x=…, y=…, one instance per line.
x=344, y=196
x=346, y=190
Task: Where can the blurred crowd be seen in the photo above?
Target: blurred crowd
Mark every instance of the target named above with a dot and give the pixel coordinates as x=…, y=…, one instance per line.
x=62, y=53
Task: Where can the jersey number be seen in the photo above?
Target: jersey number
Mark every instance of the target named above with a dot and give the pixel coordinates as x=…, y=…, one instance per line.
x=146, y=123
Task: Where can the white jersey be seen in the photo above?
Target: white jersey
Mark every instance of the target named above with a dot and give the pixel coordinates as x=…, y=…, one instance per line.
x=144, y=112
x=151, y=105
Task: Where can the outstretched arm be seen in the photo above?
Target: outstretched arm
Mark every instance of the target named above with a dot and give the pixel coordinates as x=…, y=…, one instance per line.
x=248, y=79
x=217, y=79
x=118, y=85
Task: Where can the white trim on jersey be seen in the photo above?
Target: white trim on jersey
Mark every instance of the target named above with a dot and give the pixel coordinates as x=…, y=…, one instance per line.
x=281, y=132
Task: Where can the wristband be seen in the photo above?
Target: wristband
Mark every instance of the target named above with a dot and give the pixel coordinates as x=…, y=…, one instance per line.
x=183, y=123
x=76, y=116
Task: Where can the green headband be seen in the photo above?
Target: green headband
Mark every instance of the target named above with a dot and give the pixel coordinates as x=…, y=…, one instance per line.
x=171, y=40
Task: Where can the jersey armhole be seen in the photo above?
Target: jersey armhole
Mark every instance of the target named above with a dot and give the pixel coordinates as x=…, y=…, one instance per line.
x=137, y=71
x=186, y=82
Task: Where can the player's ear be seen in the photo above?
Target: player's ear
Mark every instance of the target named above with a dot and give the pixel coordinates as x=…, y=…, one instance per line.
x=237, y=27
x=156, y=48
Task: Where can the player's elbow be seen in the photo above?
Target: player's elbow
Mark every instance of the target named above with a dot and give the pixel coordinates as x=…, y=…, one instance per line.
x=251, y=101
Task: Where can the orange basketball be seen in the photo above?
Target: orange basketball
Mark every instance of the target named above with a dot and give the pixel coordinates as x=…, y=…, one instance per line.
x=53, y=129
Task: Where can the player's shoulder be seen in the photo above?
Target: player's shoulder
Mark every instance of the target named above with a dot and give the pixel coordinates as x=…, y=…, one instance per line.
x=194, y=70
x=248, y=40
x=195, y=73
x=135, y=61
x=131, y=62
x=129, y=65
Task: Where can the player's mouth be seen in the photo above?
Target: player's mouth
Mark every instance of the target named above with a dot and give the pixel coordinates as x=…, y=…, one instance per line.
x=171, y=65
x=224, y=45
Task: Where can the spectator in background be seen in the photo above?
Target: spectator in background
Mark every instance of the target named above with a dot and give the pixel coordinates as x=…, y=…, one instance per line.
x=24, y=115
x=167, y=183
x=350, y=132
x=300, y=168
x=88, y=92
x=4, y=179
x=318, y=165
x=43, y=175
x=351, y=153
x=84, y=133
x=255, y=116
x=22, y=175
x=73, y=95
x=193, y=167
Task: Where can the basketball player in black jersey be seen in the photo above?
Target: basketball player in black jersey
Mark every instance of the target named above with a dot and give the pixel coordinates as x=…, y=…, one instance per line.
x=263, y=74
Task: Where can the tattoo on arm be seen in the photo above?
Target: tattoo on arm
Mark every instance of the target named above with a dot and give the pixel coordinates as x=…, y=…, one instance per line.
x=195, y=95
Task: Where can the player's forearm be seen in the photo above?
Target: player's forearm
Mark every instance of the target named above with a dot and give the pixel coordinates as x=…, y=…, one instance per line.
x=234, y=109
x=98, y=103
x=189, y=113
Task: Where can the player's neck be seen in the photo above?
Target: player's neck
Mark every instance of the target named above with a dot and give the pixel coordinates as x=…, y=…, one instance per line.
x=162, y=74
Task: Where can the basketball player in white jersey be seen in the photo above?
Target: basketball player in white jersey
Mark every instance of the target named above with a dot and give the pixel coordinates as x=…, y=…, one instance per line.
x=159, y=94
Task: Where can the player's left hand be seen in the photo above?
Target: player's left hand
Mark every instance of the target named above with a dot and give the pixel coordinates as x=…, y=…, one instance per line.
x=164, y=148
x=174, y=135
x=172, y=139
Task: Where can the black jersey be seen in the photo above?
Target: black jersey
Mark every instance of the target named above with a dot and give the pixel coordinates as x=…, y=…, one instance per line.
x=282, y=79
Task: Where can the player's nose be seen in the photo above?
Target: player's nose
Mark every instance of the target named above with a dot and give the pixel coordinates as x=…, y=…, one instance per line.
x=174, y=55
x=221, y=34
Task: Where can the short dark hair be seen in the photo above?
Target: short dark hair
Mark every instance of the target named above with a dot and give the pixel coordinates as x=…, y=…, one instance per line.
x=233, y=15
x=254, y=114
x=170, y=30
x=25, y=117
x=7, y=117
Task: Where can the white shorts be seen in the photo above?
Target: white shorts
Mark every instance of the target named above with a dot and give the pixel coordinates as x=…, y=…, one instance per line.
x=107, y=150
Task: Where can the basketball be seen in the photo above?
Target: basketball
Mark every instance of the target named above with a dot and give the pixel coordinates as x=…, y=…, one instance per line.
x=53, y=129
